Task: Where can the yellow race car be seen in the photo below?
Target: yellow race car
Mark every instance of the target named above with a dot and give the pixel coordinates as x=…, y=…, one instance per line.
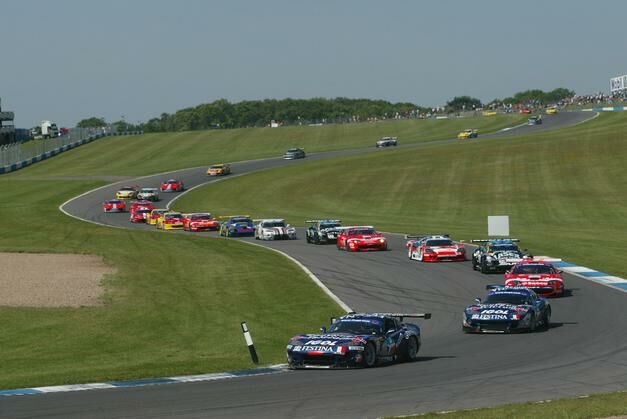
x=170, y=221
x=467, y=134
x=552, y=110
x=127, y=192
x=154, y=216
x=219, y=169
x=488, y=113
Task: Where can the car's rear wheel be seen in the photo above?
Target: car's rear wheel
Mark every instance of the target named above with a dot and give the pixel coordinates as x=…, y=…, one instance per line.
x=370, y=355
x=316, y=239
x=533, y=323
x=410, y=351
x=546, y=319
x=484, y=266
x=346, y=246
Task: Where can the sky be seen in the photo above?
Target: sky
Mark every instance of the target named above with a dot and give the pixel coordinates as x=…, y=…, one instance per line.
x=66, y=60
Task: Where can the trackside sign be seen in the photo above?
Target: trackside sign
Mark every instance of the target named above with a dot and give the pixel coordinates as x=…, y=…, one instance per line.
x=498, y=225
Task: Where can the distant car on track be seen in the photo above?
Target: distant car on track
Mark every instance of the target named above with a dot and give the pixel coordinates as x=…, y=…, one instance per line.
x=140, y=211
x=154, y=215
x=434, y=248
x=356, y=238
x=236, y=226
x=496, y=255
x=468, y=134
x=294, y=153
x=539, y=275
x=525, y=110
x=170, y=221
x=200, y=221
x=534, y=120
x=149, y=194
x=488, y=113
x=172, y=185
x=114, y=205
x=387, y=142
x=507, y=309
x=551, y=110
x=274, y=229
x=126, y=192
x=219, y=169
x=322, y=231
x=358, y=340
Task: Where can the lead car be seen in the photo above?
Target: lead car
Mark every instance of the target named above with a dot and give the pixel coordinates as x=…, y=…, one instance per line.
x=358, y=340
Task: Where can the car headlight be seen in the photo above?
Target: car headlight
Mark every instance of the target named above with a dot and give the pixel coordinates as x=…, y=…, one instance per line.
x=381, y=240
x=489, y=258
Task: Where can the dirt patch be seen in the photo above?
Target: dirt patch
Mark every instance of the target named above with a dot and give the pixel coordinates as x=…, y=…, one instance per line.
x=51, y=280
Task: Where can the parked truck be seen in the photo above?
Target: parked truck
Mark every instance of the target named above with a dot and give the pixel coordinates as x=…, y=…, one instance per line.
x=47, y=129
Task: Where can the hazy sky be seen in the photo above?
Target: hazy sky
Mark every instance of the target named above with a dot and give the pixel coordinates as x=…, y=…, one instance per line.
x=66, y=60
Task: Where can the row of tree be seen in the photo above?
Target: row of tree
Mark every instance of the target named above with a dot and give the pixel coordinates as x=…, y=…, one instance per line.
x=254, y=113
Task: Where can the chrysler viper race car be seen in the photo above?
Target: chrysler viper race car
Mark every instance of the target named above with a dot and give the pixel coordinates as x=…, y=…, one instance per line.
x=322, y=231
x=467, y=134
x=387, y=142
x=237, y=225
x=154, y=215
x=140, y=211
x=274, y=229
x=496, y=255
x=114, y=205
x=200, y=221
x=540, y=276
x=507, y=309
x=172, y=185
x=170, y=221
x=127, y=192
x=434, y=249
x=358, y=340
x=294, y=153
x=360, y=238
x=219, y=169
x=149, y=194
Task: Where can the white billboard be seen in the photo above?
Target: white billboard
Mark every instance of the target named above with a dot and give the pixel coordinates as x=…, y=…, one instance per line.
x=498, y=225
x=618, y=83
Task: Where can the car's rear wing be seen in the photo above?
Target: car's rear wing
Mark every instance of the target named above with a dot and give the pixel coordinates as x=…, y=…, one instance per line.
x=420, y=236
x=325, y=220
x=492, y=240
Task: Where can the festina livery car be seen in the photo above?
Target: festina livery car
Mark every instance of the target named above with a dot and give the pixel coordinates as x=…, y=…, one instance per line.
x=539, y=275
x=358, y=340
x=274, y=229
x=507, y=309
x=534, y=120
x=219, y=169
x=467, y=134
x=126, y=192
x=171, y=185
x=387, y=142
x=237, y=225
x=154, y=215
x=170, y=221
x=140, y=211
x=434, y=248
x=322, y=231
x=496, y=255
x=114, y=205
x=200, y=221
x=149, y=194
x=356, y=238
x=294, y=153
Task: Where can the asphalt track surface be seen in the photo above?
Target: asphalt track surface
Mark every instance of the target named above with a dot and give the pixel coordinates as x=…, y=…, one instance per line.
x=584, y=351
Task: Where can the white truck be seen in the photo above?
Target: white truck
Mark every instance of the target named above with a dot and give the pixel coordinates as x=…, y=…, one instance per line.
x=47, y=129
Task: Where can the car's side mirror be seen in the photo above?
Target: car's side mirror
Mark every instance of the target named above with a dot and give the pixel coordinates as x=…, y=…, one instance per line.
x=323, y=329
x=478, y=300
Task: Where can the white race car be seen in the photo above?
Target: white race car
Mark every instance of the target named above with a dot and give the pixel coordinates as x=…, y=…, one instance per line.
x=148, y=194
x=387, y=142
x=274, y=229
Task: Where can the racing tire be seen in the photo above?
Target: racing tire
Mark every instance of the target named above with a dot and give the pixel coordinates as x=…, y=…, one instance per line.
x=370, y=356
x=346, y=246
x=533, y=325
x=410, y=350
x=307, y=238
x=483, y=267
x=546, y=320
x=316, y=239
x=409, y=254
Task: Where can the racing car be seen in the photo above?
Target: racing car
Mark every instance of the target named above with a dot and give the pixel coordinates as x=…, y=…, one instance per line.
x=200, y=221
x=468, y=134
x=126, y=192
x=274, y=229
x=219, y=169
x=539, y=275
x=170, y=221
x=140, y=210
x=114, y=205
x=149, y=194
x=525, y=110
x=357, y=238
x=496, y=255
x=387, y=142
x=172, y=185
x=322, y=231
x=551, y=110
x=434, y=248
x=358, y=340
x=507, y=309
x=154, y=215
x=237, y=225
x=294, y=153
x=534, y=120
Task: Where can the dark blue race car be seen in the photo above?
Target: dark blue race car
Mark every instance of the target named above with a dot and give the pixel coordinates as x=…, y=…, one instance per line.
x=235, y=226
x=358, y=340
x=507, y=309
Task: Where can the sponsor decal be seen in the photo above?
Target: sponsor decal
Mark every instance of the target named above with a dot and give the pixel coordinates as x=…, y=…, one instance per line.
x=321, y=342
x=489, y=317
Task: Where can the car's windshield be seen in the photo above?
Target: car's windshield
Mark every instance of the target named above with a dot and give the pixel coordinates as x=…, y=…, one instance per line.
x=358, y=326
x=201, y=216
x=241, y=221
x=172, y=181
x=147, y=190
x=329, y=225
x=142, y=211
x=504, y=248
x=293, y=150
x=126, y=189
x=439, y=242
x=506, y=298
x=216, y=167
x=177, y=216
x=360, y=231
x=532, y=269
x=270, y=224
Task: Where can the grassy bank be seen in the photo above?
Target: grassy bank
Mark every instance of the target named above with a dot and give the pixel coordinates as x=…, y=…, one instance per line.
x=565, y=191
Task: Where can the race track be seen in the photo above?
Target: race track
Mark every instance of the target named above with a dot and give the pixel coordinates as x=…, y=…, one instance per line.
x=585, y=350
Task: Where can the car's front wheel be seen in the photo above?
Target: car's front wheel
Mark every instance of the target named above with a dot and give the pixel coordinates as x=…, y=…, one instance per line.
x=410, y=352
x=370, y=355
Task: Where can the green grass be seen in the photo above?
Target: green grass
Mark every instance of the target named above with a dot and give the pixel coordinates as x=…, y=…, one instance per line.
x=565, y=191
x=596, y=406
x=153, y=153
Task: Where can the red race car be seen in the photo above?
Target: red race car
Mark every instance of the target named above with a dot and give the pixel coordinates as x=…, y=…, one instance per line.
x=140, y=211
x=172, y=185
x=539, y=275
x=200, y=221
x=114, y=205
x=357, y=238
x=437, y=248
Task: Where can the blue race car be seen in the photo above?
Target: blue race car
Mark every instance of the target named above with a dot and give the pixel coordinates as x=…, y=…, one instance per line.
x=506, y=310
x=358, y=340
x=237, y=225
